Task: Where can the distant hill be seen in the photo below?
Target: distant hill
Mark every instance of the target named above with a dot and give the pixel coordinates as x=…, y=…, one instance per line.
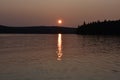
x=37, y=30
x=94, y=28
x=100, y=28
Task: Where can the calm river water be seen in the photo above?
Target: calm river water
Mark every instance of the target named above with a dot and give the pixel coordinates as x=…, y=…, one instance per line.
x=59, y=57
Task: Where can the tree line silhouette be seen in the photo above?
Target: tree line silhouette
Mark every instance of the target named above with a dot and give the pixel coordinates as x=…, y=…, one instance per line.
x=103, y=28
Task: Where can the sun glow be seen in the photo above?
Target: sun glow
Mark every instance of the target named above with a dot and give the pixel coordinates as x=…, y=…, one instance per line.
x=59, y=21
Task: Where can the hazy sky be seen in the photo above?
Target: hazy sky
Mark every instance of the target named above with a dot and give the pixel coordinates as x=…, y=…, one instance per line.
x=47, y=12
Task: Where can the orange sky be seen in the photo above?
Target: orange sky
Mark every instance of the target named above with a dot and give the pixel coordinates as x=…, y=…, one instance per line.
x=47, y=12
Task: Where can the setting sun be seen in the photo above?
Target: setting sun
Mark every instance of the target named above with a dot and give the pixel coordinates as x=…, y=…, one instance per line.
x=59, y=21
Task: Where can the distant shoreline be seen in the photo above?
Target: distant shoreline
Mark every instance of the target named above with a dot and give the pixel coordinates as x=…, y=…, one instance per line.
x=93, y=28
x=37, y=30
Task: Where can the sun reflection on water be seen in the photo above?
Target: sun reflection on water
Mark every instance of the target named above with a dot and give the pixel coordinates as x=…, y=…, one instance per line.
x=59, y=44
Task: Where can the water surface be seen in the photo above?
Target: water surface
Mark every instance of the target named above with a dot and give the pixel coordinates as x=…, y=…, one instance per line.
x=59, y=57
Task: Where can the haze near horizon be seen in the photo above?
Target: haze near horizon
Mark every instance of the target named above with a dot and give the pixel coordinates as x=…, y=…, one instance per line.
x=48, y=12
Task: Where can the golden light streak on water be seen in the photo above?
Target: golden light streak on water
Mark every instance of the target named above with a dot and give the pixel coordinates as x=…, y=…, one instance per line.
x=59, y=52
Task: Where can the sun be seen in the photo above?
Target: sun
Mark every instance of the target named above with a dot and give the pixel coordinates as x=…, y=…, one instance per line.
x=59, y=21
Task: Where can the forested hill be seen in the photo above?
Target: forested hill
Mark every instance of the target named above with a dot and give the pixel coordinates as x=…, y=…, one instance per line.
x=102, y=28
x=94, y=28
x=37, y=30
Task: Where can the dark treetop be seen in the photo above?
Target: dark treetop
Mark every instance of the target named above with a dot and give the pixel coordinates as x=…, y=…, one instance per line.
x=100, y=28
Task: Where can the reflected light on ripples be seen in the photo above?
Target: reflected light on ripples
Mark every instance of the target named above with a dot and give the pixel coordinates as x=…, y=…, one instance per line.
x=59, y=52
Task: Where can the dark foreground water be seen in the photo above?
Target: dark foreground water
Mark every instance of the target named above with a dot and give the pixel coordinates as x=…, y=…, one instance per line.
x=59, y=57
